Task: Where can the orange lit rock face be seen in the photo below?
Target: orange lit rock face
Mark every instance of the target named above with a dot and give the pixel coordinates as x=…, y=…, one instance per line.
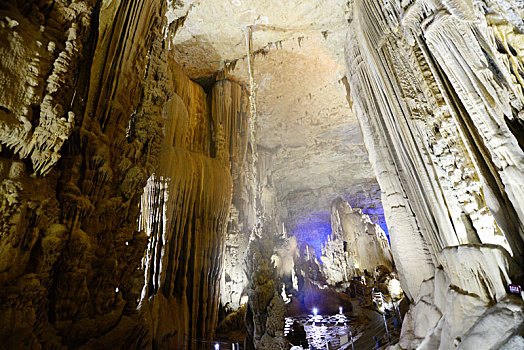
x=41, y=49
x=70, y=251
x=185, y=207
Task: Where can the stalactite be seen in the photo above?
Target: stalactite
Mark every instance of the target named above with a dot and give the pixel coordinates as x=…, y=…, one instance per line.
x=37, y=117
x=435, y=93
x=185, y=209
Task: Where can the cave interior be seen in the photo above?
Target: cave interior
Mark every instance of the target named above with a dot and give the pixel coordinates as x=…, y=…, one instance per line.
x=261, y=174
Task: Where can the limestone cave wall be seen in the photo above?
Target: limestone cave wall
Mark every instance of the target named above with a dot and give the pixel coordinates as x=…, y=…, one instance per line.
x=437, y=88
x=83, y=85
x=355, y=245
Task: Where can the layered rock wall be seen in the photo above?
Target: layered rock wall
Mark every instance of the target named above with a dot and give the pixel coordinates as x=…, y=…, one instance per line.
x=437, y=90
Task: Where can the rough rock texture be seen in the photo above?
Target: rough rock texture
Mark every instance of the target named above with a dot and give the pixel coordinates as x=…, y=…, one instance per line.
x=93, y=109
x=185, y=209
x=355, y=245
x=73, y=108
x=212, y=37
x=89, y=93
x=41, y=48
x=437, y=90
x=242, y=220
x=265, y=314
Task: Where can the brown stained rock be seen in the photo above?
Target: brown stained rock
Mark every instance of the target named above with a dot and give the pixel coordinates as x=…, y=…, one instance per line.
x=41, y=49
x=69, y=245
x=234, y=322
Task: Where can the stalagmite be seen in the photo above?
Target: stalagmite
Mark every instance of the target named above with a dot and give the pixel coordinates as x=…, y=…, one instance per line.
x=355, y=245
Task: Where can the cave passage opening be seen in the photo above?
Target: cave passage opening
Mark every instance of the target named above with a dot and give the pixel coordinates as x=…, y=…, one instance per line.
x=306, y=179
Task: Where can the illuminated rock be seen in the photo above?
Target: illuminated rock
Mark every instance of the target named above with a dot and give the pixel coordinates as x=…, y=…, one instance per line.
x=130, y=183
x=188, y=200
x=355, y=245
x=438, y=94
x=80, y=129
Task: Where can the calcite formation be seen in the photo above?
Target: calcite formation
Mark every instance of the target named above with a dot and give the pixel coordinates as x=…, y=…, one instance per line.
x=185, y=210
x=41, y=48
x=134, y=169
x=437, y=91
x=356, y=245
x=113, y=106
x=70, y=249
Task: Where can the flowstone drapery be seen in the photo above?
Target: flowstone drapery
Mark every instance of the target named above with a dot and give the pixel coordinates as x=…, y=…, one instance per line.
x=438, y=95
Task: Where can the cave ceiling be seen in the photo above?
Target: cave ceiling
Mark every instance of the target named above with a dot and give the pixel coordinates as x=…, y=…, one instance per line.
x=304, y=119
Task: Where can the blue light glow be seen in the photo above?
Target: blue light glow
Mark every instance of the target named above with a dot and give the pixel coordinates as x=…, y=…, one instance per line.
x=373, y=208
x=315, y=228
x=314, y=231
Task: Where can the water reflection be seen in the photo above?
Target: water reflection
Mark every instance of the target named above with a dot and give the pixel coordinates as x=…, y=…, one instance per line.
x=321, y=330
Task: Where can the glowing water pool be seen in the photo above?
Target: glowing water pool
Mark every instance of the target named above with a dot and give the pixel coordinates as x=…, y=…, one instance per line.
x=321, y=330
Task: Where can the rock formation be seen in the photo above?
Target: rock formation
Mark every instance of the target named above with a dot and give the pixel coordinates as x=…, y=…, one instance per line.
x=265, y=314
x=133, y=167
x=71, y=259
x=356, y=245
x=437, y=92
x=185, y=209
x=72, y=109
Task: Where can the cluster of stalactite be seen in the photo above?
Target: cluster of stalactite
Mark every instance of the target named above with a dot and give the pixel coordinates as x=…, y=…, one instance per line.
x=185, y=210
x=86, y=84
x=437, y=88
